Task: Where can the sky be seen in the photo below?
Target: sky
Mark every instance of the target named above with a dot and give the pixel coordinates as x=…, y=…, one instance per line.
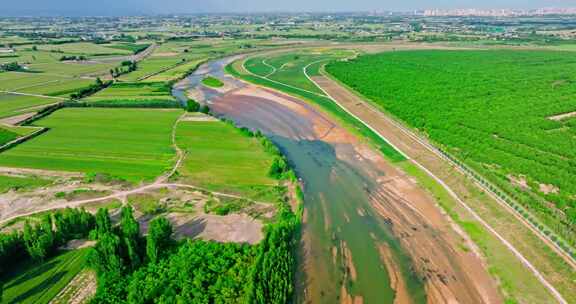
x=136, y=7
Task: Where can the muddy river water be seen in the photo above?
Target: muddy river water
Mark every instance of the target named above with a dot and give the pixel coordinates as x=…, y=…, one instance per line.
x=370, y=234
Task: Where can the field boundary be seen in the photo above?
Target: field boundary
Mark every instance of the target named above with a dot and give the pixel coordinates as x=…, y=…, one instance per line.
x=507, y=244
x=22, y=139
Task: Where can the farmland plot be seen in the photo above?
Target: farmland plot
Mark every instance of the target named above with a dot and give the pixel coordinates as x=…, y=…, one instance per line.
x=132, y=144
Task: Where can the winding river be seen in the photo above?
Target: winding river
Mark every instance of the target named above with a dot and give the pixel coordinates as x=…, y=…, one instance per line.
x=361, y=231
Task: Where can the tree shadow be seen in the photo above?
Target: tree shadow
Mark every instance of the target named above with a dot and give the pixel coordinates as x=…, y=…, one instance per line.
x=42, y=287
x=39, y=270
x=191, y=229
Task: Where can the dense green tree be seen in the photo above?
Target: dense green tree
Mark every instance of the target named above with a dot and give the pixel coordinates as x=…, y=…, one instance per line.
x=131, y=237
x=159, y=238
x=103, y=223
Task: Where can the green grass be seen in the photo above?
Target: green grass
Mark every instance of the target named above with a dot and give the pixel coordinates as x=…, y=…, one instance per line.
x=133, y=144
x=134, y=91
x=220, y=158
x=152, y=65
x=14, y=81
x=132, y=47
x=73, y=69
x=212, y=82
x=7, y=136
x=11, y=104
x=8, y=183
x=61, y=88
x=327, y=105
x=177, y=72
x=40, y=283
x=489, y=109
x=84, y=48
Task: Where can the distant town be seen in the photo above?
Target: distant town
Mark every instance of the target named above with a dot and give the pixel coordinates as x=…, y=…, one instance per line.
x=499, y=12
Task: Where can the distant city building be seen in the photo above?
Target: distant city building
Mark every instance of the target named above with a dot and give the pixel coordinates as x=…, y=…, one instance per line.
x=499, y=12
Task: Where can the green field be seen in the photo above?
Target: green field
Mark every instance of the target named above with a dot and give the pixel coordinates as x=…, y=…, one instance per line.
x=73, y=69
x=212, y=82
x=153, y=64
x=176, y=72
x=220, y=158
x=7, y=136
x=288, y=68
x=491, y=109
x=8, y=183
x=125, y=91
x=11, y=104
x=133, y=144
x=85, y=48
x=35, y=283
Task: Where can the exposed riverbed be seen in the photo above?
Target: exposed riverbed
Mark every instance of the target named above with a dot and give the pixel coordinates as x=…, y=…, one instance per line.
x=370, y=234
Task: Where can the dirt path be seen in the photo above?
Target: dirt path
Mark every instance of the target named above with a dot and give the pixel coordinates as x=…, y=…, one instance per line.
x=420, y=155
x=79, y=290
x=34, y=95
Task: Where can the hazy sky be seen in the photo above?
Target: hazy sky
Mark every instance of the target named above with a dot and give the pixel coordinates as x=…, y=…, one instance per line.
x=121, y=7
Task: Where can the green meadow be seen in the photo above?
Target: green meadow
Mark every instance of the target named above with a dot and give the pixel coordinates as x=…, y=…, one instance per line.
x=220, y=158
x=132, y=144
x=40, y=283
x=134, y=91
x=11, y=104
x=8, y=183
x=85, y=48
x=212, y=82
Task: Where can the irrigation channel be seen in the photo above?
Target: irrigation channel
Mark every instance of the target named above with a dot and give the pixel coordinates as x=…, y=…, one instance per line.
x=370, y=234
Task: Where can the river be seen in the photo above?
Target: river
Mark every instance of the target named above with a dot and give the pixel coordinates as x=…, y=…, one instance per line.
x=361, y=235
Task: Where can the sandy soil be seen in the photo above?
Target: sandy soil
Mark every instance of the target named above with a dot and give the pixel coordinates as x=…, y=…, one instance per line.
x=450, y=273
x=38, y=172
x=562, y=116
x=165, y=54
x=185, y=210
x=14, y=120
x=237, y=228
x=199, y=118
x=79, y=290
x=16, y=203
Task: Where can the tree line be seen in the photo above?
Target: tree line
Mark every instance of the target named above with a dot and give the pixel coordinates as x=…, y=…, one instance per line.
x=41, y=240
x=155, y=268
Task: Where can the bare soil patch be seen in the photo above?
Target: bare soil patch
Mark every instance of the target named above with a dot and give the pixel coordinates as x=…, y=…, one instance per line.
x=165, y=54
x=79, y=290
x=15, y=120
x=562, y=116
